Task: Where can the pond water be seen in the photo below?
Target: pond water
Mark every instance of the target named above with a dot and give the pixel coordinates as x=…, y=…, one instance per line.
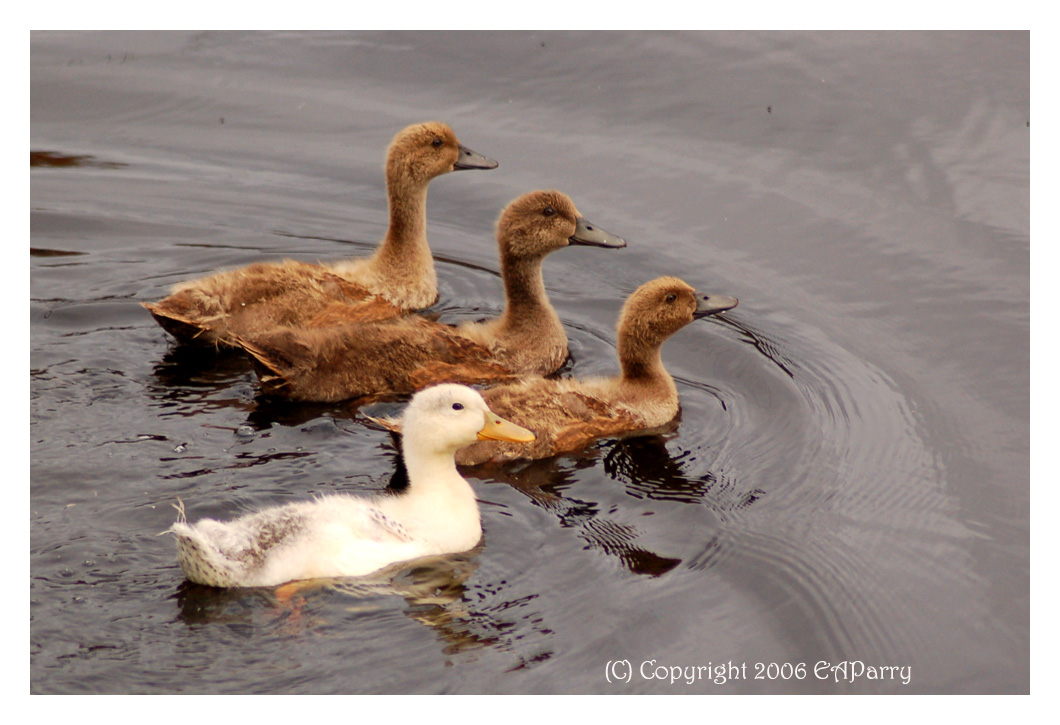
x=849, y=481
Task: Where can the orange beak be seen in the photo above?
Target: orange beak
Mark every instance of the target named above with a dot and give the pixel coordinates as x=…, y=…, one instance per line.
x=499, y=429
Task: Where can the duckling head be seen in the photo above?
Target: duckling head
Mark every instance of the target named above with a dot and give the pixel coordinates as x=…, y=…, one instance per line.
x=423, y=151
x=661, y=307
x=444, y=418
x=541, y=222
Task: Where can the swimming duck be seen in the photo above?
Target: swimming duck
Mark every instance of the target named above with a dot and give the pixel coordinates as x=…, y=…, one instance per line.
x=397, y=279
x=568, y=414
x=406, y=354
x=341, y=535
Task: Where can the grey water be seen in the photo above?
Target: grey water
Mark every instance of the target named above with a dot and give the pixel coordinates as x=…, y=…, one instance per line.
x=844, y=504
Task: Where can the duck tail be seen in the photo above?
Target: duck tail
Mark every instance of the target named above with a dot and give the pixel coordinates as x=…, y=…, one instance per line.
x=200, y=561
x=386, y=422
x=186, y=320
x=270, y=365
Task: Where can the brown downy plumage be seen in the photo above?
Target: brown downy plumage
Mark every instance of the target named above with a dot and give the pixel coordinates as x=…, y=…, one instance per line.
x=567, y=415
x=395, y=280
x=407, y=354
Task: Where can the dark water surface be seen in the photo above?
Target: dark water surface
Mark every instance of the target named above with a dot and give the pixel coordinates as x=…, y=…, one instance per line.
x=849, y=480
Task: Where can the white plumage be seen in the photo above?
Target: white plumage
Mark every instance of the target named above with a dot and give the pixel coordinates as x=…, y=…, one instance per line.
x=343, y=535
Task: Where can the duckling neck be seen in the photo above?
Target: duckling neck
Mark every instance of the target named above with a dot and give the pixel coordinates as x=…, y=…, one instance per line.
x=641, y=361
x=439, y=504
x=527, y=310
x=644, y=385
x=404, y=253
x=425, y=468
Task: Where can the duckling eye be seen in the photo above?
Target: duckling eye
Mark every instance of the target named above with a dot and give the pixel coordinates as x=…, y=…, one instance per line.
x=548, y=211
x=671, y=297
x=437, y=143
x=458, y=406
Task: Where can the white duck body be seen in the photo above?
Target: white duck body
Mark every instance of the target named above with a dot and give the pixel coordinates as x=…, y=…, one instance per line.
x=343, y=535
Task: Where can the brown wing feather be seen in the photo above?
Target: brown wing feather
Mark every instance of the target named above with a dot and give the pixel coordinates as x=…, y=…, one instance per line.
x=354, y=360
x=373, y=309
x=466, y=373
x=272, y=361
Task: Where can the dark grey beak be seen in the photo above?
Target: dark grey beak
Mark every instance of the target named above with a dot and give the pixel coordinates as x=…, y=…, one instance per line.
x=468, y=159
x=593, y=236
x=712, y=305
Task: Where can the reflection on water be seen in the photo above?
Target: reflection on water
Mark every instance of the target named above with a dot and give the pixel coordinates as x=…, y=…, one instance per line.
x=435, y=581
x=435, y=591
x=185, y=366
x=768, y=348
x=648, y=470
x=543, y=482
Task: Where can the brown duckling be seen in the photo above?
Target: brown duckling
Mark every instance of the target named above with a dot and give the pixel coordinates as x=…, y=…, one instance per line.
x=567, y=415
x=397, y=279
x=403, y=355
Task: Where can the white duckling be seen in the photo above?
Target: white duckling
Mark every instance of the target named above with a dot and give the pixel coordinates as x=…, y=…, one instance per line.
x=341, y=535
